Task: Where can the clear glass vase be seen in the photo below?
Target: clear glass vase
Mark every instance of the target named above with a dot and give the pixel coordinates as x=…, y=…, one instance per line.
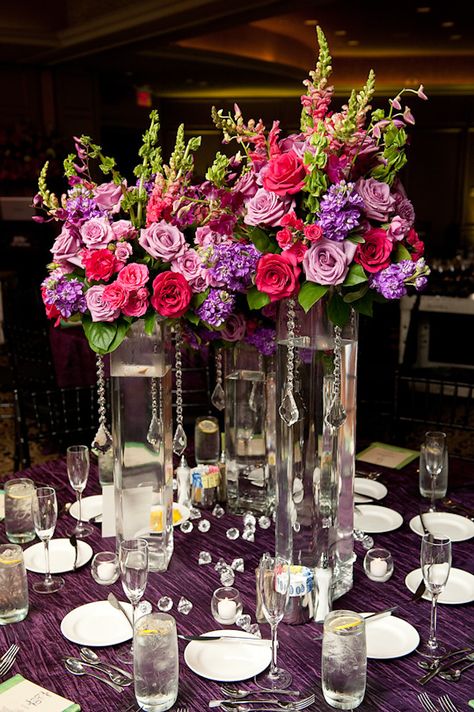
x=315, y=459
x=140, y=370
x=249, y=430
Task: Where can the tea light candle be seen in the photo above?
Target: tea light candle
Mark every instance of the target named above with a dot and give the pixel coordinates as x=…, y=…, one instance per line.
x=378, y=567
x=227, y=609
x=106, y=571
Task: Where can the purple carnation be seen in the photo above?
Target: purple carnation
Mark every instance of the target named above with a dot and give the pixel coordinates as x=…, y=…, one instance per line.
x=404, y=208
x=218, y=306
x=67, y=295
x=340, y=211
x=234, y=265
x=264, y=340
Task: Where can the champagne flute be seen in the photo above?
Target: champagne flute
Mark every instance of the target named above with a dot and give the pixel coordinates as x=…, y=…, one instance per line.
x=435, y=562
x=44, y=508
x=133, y=564
x=78, y=472
x=274, y=586
x=435, y=444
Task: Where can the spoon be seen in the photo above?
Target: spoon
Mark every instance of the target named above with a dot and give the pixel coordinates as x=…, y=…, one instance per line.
x=454, y=675
x=124, y=680
x=77, y=668
x=436, y=663
x=113, y=600
x=90, y=656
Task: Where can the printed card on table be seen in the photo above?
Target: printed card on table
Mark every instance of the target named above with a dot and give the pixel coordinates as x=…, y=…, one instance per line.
x=385, y=455
x=21, y=695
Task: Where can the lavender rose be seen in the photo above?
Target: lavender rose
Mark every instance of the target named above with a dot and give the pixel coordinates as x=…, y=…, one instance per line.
x=98, y=307
x=398, y=228
x=123, y=229
x=163, y=241
x=266, y=208
x=189, y=264
x=327, y=262
x=234, y=328
x=247, y=184
x=108, y=196
x=96, y=233
x=378, y=202
x=66, y=245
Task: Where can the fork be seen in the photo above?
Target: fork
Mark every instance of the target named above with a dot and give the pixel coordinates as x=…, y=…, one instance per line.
x=298, y=705
x=446, y=703
x=8, y=659
x=238, y=693
x=427, y=703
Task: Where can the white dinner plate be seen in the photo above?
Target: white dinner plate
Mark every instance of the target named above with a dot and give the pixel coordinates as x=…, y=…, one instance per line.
x=97, y=624
x=458, y=590
x=373, y=519
x=90, y=507
x=61, y=556
x=448, y=524
x=2, y=505
x=390, y=637
x=226, y=661
x=369, y=488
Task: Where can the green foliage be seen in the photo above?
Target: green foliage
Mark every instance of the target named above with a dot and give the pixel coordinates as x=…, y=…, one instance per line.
x=104, y=337
x=394, y=140
x=256, y=299
x=150, y=151
x=149, y=322
x=50, y=201
x=316, y=182
x=310, y=293
x=355, y=275
x=217, y=172
x=338, y=310
x=401, y=253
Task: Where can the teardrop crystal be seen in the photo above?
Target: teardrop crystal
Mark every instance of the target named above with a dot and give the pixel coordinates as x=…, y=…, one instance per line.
x=155, y=433
x=253, y=398
x=336, y=415
x=218, y=397
x=288, y=409
x=180, y=440
x=102, y=441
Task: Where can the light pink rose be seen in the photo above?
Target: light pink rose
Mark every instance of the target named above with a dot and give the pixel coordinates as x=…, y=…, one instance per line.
x=123, y=229
x=398, y=228
x=163, y=241
x=206, y=237
x=115, y=295
x=96, y=233
x=327, y=261
x=66, y=246
x=189, y=264
x=137, y=303
x=98, y=307
x=123, y=251
x=266, y=208
x=133, y=276
x=108, y=196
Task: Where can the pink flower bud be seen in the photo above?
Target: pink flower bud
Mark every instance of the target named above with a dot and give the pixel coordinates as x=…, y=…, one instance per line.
x=396, y=104
x=408, y=116
x=421, y=94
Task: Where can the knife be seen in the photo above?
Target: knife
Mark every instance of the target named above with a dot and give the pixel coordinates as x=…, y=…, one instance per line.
x=419, y=592
x=432, y=673
x=237, y=638
x=73, y=542
x=369, y=617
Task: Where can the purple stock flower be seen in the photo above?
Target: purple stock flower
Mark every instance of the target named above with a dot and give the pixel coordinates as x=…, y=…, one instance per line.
x=340, y=211
x=67, y=295
x=264, y=340
x=234, y=264
x=392, y=282
x=81, y=206
x=216, y=307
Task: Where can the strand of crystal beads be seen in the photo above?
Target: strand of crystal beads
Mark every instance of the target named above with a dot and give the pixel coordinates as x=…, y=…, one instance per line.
x=179, y=440
x=103, y=439
x=155, y=431
x=218, y=394
x=255, y=393
x=288, y=409
x=336, y=415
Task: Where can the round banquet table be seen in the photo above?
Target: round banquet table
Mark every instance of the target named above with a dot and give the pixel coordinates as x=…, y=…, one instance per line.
x=391, y=684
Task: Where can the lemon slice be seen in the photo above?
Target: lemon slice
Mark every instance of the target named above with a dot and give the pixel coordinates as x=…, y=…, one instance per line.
x=208, y=426
x=9, y=562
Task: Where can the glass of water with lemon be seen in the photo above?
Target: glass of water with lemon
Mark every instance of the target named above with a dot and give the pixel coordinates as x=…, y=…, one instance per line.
x=13, y=585
x=155, y=662
x=207, y=440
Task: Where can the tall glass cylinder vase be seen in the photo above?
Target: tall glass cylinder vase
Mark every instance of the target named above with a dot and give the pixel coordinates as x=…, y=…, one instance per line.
x=249, y=429
x=315, y=455
x=141, y=389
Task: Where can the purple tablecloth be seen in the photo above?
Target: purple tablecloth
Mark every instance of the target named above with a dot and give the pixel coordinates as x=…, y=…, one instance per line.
x=391, y=684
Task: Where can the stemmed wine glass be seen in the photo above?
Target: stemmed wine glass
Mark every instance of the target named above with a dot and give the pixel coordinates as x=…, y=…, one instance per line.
x=133, y=564
x=274, y=585
x=435, y=562
x=435, y=444
x=78, y=472
x=44, y=508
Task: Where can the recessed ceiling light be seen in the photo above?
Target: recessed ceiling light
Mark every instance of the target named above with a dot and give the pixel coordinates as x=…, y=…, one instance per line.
x=423, y=10
x=353, y=43
x=340, y=33
x=448, y=23
x=455, y=37
x=311, y=23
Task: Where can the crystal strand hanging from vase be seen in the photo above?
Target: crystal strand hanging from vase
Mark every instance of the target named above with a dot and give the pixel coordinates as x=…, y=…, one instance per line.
x=140, y=371
x=316, y=388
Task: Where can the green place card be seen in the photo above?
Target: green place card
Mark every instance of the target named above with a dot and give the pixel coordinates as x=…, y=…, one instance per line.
x=385, y=455
x=20, y=695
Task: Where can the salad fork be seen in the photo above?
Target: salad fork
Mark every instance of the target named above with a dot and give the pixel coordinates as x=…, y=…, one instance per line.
x=447, y=705
x=240, y=704
x=8, y=659
x=238, y=693
x=427, y=703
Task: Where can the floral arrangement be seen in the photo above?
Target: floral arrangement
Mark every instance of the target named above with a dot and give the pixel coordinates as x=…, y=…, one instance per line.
x=305, y=215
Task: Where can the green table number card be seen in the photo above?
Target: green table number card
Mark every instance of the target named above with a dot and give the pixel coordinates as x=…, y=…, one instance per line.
x=385, y=455
x=21, y=695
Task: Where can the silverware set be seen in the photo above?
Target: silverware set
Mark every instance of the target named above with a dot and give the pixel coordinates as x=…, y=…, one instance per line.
x=445, y=703
x=449, y=669
x=89, y=664
x=232, y=702
x=8, y=659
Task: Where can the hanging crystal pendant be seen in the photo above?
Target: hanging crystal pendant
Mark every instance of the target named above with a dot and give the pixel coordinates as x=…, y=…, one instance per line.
x=218, y=394
x=103, y=439
x=288, y=409
x=180, y=440
x=155, y=431
x=336, y=414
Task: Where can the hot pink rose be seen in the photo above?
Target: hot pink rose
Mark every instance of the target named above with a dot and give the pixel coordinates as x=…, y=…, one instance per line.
x=285, y=174
x=284, y=238
x=171, y=294
x=133, y=276
x=115, y=295
x=96, y=233
x=296, y=252
x=313, y=232
x=98, y=307
x=137, y=303
x=108, y=196
x=276, y=276
x=99, y=264
x=374, y=253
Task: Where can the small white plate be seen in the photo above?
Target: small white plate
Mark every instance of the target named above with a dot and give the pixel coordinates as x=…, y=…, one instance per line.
x=447, y=524
x=390, y=637
x=97, y=624
x=61, y=556
x=90, y=506
x=373, y=519
x=226, y=661
x=458, y=590
x=369, y=488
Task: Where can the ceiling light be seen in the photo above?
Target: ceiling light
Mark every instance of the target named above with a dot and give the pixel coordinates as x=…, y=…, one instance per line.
x=340, y=33
x=423, y=10
x=353, y=43
x=455, y=37
x=448, y=23
x=311, y=23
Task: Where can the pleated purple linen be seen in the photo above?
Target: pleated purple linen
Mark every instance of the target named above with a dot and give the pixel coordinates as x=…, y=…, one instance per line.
x=391, y=684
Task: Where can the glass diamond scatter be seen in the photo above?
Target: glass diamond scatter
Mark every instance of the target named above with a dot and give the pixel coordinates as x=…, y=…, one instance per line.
x=227, y=576
x=244, y=621
x=194, y=513
x=184, y=606
x=264, y=522
x=248, y=534
x=218, y=511
x=221, y=564
x=187, y=527
x=232, y=533
x=144, y=608
x=204, y=525
x=254, y=629
x=367, y=542
x=204, y=558
x=238, y=565
x=249, y=520
x=165, y=603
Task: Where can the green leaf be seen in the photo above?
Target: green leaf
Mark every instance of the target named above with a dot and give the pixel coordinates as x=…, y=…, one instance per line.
x=199, y=298
x=260, y=239
x=122, y=330
x=99, y=334
x=338, y=311
x=356, y=239
x=150, y=320
x=256, y=299
x=310, y=293
x=401, y=253
x=356, y=294
x=355, y=275
x=192, y=317
x=365, y=304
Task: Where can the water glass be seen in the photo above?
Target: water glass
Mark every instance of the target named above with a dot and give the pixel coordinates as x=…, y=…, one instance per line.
x=133, y=564
x=440, y=483
x=344, y=660
x=155, y=662
x=13, y=585
x=105, y=568
x=44, y=507
x=207, y=440
x=78, y=472
x=19, y=526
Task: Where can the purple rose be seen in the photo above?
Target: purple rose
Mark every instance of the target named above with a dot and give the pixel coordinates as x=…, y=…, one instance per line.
x=234, y=328
x=247, y=185
x=96, y=233
x=266, y=208
x=327, y=262
x=123, y=229
x=108, y=196
x=398, y=228
x=378, y=202
x=123, y=251
x=98, y=307
x=189, y=264
x=66, y=246
x=205, y=236
x=163, y=241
